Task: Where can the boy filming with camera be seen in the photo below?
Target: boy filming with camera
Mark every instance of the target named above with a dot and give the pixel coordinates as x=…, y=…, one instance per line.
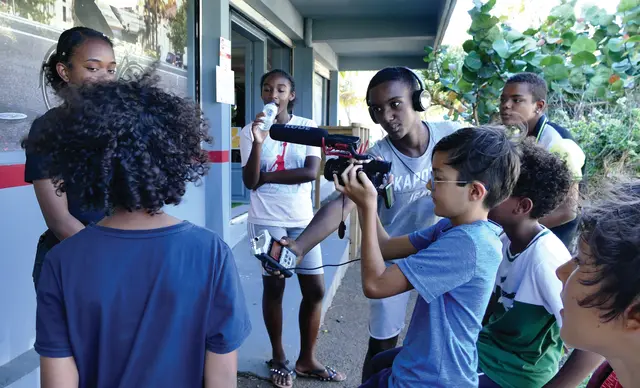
x=395, y=96
x=452, y=264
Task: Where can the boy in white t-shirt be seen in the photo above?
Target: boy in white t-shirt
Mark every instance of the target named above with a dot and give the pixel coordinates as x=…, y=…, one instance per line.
x=279, y=175
x=520, y=345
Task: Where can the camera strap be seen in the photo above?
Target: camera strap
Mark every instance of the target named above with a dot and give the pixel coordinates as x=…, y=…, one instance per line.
x=343, y=227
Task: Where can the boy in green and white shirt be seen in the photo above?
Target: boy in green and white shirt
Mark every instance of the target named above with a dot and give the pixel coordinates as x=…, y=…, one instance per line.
x=519, y=345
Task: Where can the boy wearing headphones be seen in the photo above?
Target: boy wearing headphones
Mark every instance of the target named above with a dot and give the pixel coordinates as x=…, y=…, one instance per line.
x=395, y=97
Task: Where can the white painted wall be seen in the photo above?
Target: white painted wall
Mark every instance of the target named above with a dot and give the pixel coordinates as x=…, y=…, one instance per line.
x=21, y=224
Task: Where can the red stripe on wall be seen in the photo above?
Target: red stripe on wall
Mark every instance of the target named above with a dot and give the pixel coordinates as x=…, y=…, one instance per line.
x=219, y=156
x=12, y=175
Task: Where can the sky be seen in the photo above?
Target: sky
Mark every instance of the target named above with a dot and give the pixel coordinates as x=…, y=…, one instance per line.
x=537, y=10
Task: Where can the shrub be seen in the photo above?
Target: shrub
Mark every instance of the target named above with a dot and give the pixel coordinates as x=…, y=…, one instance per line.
x=610, y=140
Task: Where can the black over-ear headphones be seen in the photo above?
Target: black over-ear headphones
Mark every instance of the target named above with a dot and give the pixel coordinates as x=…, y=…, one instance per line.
x=420, y=98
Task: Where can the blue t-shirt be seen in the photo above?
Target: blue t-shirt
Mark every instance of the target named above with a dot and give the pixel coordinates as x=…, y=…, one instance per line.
x=454, y=273
x=138, y=308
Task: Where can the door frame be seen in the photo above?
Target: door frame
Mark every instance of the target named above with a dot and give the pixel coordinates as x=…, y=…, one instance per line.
x=255, y=41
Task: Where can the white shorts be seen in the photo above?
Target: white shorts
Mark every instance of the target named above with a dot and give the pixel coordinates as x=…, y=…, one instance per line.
x=387, y=316
x=313, y=259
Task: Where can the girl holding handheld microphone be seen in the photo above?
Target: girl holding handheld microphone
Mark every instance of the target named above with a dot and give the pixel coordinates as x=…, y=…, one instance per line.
x=280, y=175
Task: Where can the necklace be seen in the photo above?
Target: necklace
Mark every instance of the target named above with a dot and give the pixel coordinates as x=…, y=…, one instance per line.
x=393, y=149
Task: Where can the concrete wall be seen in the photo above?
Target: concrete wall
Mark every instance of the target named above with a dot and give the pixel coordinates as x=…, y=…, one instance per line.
x=21, y=224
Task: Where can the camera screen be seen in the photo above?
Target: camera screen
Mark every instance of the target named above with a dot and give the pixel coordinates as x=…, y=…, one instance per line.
x=390, y=194
x=275, y=251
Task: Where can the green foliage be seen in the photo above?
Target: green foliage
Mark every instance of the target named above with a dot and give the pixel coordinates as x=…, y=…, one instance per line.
x=610, y=140
x=452, y=59
x=178, y=29
x=154, y=14
x=151, y=53
x=591, y=64
x=36, y=10
x=349, y=99
x=594, y=58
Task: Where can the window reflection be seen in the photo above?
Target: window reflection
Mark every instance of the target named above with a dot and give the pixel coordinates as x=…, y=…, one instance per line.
x=143, y=31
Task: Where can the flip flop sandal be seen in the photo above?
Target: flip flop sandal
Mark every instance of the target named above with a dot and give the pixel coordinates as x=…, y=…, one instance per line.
x=281, y=369
x=319, y=374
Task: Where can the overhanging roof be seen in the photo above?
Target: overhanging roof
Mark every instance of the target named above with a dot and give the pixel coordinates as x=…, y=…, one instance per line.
x=370, y=34
x=363, y=34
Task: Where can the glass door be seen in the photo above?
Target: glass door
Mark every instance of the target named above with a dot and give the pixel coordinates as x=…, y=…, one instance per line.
x=241, y=60
x=250, y=48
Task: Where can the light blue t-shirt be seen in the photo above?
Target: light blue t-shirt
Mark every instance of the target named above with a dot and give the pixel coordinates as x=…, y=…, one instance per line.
x=454, y=273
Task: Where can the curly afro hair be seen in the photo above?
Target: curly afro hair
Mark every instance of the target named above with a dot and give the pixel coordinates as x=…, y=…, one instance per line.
x=611, y=229
x=124, y=145
x=544, y=178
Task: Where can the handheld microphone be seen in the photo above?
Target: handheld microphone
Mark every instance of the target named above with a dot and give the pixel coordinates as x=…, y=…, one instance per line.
x=310, y=136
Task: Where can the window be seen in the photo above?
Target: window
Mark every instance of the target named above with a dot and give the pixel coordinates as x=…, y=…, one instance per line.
x=155, y=30
x=320, y=99
x=278, y=56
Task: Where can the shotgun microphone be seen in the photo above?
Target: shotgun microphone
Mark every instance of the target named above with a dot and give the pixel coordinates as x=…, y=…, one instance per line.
x=345, y=148
x=311, y=136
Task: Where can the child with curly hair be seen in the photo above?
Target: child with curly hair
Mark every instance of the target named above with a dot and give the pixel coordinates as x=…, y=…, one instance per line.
x=140, y=299
x=601, y=287
x=524, y=102
x=519, y=345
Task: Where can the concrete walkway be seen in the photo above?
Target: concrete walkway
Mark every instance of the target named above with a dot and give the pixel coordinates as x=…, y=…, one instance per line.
x=257, y=348
x=342, y=341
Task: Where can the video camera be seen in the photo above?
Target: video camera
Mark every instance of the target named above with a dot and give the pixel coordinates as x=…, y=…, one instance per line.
x=345, y=148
